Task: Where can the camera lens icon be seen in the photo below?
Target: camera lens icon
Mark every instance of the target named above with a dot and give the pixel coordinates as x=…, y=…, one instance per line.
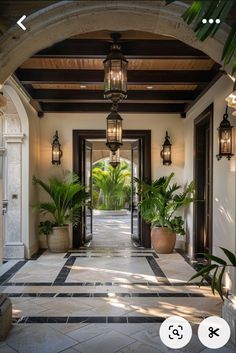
x=175, y=332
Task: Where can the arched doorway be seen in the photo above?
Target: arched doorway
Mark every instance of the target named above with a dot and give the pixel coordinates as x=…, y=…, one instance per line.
x=15, y=165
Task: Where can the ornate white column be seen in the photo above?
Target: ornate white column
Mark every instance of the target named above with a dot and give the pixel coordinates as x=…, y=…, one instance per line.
x=13, y=245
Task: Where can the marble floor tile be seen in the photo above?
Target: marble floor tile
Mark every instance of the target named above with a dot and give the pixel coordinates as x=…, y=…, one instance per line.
x=4, y=348
x=69, y=350
x=138, y=347
x=39, y=339
x=129, y=329
x=105, y=343
x=89, y=331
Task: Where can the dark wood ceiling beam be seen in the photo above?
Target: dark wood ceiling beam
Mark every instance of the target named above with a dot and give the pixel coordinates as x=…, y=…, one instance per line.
x=217, y=76
x=91, y=48
x=95, y=95
x=106, y=107
x=31, y=76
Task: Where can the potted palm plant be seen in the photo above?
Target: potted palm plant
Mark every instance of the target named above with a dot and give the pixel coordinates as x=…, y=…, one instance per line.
x=158, y=206
x=67, y=196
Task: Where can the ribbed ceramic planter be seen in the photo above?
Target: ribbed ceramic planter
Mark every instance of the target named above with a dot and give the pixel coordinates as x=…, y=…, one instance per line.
x=58, y=240
x=163, y=240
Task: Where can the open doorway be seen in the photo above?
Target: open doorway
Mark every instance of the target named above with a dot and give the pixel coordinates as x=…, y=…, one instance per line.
x=113, y=220
x=111, y=196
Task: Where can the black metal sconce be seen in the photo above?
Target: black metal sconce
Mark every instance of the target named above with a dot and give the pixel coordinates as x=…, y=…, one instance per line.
x=114, y=129
x=225, y=137
x=56, y=150
x=166, y=151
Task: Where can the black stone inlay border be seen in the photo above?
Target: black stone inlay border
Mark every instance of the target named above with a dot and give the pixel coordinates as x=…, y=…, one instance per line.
x=107, y=284
x=63, y=274
x=105, y=295
x=88, y=319
x=11, y=272
x=37, y=255
x=161, y=277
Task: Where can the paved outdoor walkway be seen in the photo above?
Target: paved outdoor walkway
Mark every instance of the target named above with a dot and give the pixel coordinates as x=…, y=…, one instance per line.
x=111, y=232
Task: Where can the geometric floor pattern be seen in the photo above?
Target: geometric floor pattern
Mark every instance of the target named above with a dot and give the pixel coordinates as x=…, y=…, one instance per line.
x=102, y=300
x=89, y=300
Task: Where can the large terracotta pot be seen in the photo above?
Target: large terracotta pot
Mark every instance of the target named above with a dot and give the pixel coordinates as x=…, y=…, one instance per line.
x=163, y=240
x=58, y=240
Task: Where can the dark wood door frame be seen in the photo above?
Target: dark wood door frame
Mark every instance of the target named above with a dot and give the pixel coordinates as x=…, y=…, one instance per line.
x=79, y=136
x=205, y=119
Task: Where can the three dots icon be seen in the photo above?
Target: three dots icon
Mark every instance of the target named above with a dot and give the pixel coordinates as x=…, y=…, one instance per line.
x=211, y=20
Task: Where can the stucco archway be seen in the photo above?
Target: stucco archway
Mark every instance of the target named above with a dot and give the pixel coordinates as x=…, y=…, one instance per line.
x=15, y=176
x=67, y=18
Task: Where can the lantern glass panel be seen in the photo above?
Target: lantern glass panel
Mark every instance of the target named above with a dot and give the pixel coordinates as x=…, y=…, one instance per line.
x=167, y=155
x=115, y=158
x=56, y=154
x=225, y=142
x=114, y=131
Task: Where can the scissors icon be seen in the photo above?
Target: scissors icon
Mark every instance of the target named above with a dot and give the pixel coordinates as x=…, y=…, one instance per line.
x=213, y=332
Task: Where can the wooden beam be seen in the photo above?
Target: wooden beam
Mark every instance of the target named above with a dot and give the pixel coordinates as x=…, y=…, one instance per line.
x=90, y=48
x=31, y=76
x=106, y=107
x=55, y=95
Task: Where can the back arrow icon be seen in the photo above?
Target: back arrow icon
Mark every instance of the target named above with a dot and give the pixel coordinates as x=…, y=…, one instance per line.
x=19, y=22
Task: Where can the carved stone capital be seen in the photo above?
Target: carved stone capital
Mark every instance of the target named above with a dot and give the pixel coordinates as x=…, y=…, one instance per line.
x=2, y=151
x=14, y=138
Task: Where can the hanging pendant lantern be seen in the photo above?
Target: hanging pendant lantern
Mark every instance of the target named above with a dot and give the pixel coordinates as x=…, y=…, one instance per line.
x=166, y=151
x=115, y=67
x=56, y=150
x=114, y=129
x=115, y=158
x=225, y=137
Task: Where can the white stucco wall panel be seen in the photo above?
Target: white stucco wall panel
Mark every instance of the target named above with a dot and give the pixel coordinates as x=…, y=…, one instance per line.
x=224, y=177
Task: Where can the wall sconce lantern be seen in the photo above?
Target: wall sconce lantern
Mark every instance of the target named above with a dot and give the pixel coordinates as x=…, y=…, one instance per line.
x=166, y=151
x=115, y=158
x=56, y=150
x=115, y=67
x=225, y=137
x=114, y=129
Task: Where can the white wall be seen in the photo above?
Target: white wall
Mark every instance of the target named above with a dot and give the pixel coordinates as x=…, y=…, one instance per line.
x=157, y=123
x=224, y=177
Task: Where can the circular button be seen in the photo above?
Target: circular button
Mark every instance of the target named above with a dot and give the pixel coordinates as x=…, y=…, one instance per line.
x=175, y=332
x=214, y=332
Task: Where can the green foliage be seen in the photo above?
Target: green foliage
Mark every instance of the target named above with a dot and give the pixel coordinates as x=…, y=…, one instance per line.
x=45, y=227
x=67, y=196
x=160, y=201
x=214, y=9
x=113, y=186
x=219, y=268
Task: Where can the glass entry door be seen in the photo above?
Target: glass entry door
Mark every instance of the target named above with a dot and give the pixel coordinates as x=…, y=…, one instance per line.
x=88, y=212
x=135, y=173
